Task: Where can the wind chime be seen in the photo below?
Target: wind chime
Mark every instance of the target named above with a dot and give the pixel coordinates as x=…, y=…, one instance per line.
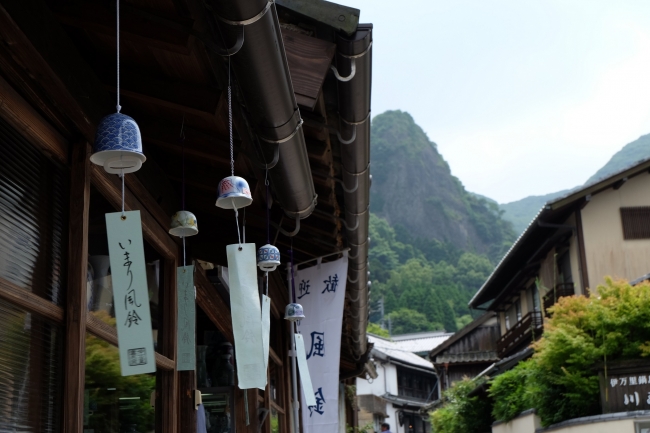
x=183, y=222
x=118, y=144
x=250, y=327
x=118, y=149
x=268, y=256
x=294, y=311
x=234, y=192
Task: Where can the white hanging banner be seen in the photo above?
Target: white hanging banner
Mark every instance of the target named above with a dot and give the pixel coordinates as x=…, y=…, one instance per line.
x=246, y=316
x=185, y=337
x=303, y=369
x=266, y=330
x=130, y=294
x=321, y=291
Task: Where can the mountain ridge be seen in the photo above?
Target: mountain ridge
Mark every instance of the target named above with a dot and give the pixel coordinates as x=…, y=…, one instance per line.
x=521, y=212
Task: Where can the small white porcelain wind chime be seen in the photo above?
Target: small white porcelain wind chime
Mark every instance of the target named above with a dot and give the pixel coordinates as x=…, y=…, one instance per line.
x=118, y=149
x=183, y=224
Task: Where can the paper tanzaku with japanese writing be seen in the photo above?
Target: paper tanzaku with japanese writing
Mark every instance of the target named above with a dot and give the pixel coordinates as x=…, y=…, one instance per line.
x=320, y=290
x=130, y=294
x=246, y=316
x=185, y=337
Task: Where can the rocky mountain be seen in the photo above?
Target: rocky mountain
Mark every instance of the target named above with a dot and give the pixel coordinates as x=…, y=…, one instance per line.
x=432, y=242
x=521, y=212
x=414, y=191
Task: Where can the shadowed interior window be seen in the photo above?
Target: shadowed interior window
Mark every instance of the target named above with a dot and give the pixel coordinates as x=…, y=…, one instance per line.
x=636, y=222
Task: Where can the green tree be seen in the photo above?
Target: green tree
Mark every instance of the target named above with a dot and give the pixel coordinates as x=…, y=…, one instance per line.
x=472, y=270
x=560, y=380
x=462, y=413
x=374, y=328
x=404, y=321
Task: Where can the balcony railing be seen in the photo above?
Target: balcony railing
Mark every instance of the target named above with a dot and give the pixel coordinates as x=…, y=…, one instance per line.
x=531, y=322
x=563, y=289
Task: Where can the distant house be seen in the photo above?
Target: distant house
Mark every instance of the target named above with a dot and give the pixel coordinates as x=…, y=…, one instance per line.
x=602, y=229
x=420, y=343
x=404, y=384
x=468, y=352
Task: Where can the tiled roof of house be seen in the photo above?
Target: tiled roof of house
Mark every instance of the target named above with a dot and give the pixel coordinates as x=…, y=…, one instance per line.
x=420, y=342
x=391, y=350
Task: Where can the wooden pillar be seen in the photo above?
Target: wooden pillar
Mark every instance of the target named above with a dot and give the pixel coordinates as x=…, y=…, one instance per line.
x=187, y=413
x=169, y=379
x=582, y=255
x=76, y=311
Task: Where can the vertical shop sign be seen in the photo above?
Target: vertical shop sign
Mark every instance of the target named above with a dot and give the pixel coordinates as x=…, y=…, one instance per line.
x=185, y=337
x=130, y=295
x=322, y=288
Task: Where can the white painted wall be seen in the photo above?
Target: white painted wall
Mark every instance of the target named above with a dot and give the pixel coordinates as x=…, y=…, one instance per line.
x=606, y=250
x=530, y=422
x=522, y=424
x=386, y=382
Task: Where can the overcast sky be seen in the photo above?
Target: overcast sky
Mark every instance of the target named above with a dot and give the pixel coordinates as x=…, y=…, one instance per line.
x=521, y=97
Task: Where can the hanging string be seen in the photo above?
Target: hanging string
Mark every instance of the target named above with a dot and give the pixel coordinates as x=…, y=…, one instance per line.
x=266, y=291
x=293, y=284
x=119, y=107
x=237, y=221
x=244, y=225
x=268, y=208
x=184, y=260
x=122, y=176
x=182, y=140
x=232, y=153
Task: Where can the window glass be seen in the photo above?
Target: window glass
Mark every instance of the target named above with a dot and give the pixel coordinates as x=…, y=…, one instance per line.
x=217, y=404
x=31, y=372
x=114, y=403
x=99, y=287
x=275, y=421
x=33, y=213
x=536, y=303
x=518, y=309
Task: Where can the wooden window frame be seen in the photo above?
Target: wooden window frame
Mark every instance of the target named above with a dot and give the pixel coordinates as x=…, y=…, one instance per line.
x=635, y=222
x=34, y=128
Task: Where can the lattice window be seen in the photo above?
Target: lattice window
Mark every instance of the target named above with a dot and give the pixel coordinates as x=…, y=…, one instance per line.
x=636, y=222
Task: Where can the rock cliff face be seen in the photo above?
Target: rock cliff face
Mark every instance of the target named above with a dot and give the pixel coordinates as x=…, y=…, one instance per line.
x=413, y=188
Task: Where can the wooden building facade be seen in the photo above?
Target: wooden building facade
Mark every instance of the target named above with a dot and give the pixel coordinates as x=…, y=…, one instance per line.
x=301, y=74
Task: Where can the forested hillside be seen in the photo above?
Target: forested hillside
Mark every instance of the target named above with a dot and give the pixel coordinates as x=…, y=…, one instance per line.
x=632, y=152
x=521, y=212
x=432, y=243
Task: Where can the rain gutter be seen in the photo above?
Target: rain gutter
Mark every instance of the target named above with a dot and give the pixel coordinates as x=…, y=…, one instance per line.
x=258, y=60
x=354, y=65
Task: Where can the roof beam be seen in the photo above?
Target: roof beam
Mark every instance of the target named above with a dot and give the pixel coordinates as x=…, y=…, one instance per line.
x=135, y=26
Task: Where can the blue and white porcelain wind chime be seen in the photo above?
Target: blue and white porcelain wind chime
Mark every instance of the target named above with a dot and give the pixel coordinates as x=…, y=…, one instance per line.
x=118, y=144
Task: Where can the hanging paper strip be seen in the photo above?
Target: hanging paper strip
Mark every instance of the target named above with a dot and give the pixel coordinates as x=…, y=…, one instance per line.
x=246, y=316
x=266, y=329
x=130, y=294
x=321, y=291
x=185, y=336
x=305, y=378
